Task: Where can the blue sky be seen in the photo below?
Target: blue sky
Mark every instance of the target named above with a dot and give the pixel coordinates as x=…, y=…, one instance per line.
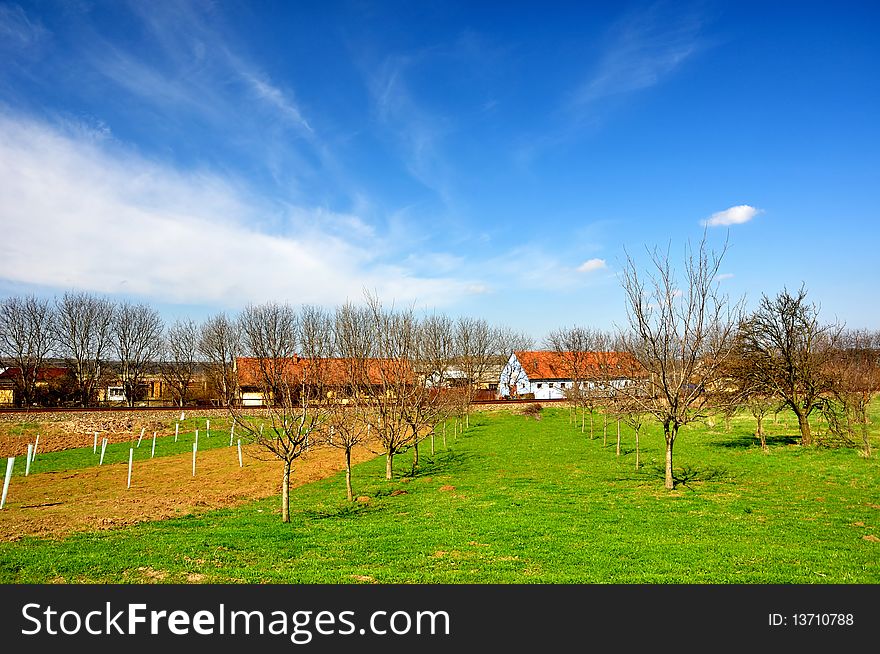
x=486, y=159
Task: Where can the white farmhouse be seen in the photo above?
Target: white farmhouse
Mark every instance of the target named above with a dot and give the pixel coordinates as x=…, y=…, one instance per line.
x=548, y=375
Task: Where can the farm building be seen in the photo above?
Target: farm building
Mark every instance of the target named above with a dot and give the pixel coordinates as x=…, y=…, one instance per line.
x=338, y=378
x=544, y=375
x=455, y=375
x=51, y=384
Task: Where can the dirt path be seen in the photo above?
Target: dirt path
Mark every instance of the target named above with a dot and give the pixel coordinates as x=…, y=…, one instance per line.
x=55, y=504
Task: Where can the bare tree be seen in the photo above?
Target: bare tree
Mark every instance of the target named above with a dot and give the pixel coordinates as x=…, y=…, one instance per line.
x=788, y=351
x=476, y=348
x=181, y=357
x=855, y=370
x=348, y=419
x=220, y=346
x=84, y=331
x=575, y=347
x=293, y=386
x=27, y=336
x=680, y=337
x=137, y=337
x=388, y=382
x=437, y=363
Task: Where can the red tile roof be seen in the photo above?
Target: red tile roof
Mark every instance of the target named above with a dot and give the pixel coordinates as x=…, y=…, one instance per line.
x=334, y=371
x=542, y=364
x=43, y=374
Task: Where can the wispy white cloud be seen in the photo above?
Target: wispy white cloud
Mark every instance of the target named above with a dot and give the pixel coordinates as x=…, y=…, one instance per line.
x=590, y=265
x=18, y=31
x=417, y=132
x=82, y=212
x=643, y=48
x=737, y=215
x=723, y=276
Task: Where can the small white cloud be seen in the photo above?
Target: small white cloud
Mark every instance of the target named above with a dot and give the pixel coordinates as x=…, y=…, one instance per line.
x=724, y=276
x=742, y=213
x=591, y=264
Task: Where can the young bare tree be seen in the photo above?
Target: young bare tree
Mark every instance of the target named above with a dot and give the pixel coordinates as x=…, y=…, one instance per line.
x=855, y=370
x=436, y=360
x=293, y=386
x=220, y=346
x=84, y=333
x=389, y=382
x=680, y=336
x=788, y=351
x=180, y=358
x=137, y=337
x=27, y=336
x=475, y=352
x=575, y=346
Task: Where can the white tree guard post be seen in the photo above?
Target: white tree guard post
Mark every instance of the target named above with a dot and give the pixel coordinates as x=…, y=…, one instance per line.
x=261, y=429
x=153, y=451
x=130, y=459
x=27, y=461
x=36, y=443
x=140, y=438
x=95, y=445
x=182, y=416
x=176, y=430
x=207, y=429
x=10, y=463
x=231, y=432
x=103, y=449
x=240, y=464
x=195, y=449
x=197, y=437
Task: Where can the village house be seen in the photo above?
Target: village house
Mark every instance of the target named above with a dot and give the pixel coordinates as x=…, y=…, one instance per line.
x=545, y=375
x=334, y=378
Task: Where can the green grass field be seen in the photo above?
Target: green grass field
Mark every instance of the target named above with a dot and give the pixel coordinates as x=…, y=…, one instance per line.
x=532, y=502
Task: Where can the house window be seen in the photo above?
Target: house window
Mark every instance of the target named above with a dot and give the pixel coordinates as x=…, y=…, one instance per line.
x=115, y=393
x=539, y=385
x=550, y=385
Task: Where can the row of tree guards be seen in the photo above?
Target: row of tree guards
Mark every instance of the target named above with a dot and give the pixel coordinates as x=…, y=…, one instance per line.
x=32, y=451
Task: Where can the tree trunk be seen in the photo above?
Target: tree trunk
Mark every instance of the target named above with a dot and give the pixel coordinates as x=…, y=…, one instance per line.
x=604, y=429
x=348, y=474
x=389, y=462
x=865, y=440
x=637, y=449
x=804, y=424
x=760, y=431
x=591, y=424
x=669, y=433
x=415, y=461
x=583, y=421
x=618, y=437
x=285, y=493
x=467, y=419
x=444, y=435
x=432, y=442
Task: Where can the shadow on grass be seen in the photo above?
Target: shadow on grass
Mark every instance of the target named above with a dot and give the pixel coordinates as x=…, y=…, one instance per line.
x=688, y=474
x=746, y=441
x=441, y=462
x=347, y=510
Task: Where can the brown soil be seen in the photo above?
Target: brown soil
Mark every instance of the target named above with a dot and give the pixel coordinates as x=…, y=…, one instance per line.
x=62, y=430
x=55, y=504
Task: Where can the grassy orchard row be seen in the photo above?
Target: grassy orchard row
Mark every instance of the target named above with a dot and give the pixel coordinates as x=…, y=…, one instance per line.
x=518, y=500
x=84, y=457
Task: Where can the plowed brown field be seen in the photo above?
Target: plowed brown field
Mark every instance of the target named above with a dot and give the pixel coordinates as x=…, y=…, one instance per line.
x=55, y=504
